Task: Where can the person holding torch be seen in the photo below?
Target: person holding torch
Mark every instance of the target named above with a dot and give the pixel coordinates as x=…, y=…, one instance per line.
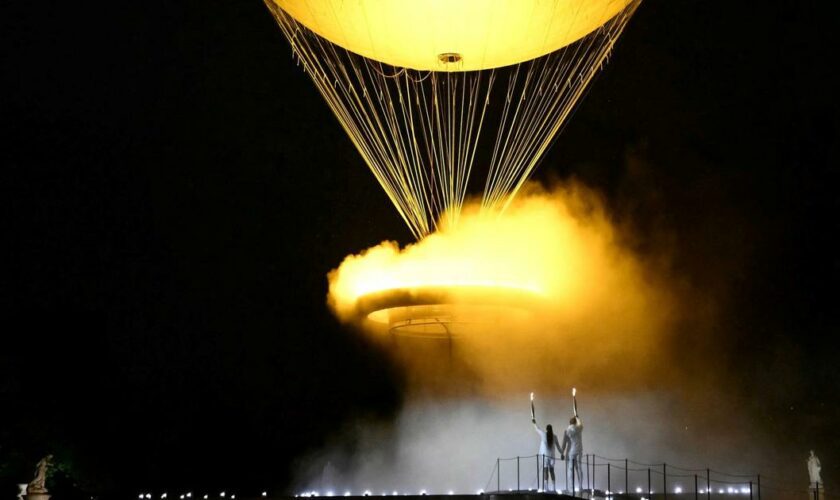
x=572, y=448
x=548, y=442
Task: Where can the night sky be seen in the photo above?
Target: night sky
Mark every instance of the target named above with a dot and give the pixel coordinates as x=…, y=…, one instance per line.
x=175, y=192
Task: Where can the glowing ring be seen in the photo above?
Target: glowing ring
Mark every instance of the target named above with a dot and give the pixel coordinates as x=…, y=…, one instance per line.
x=431, y=311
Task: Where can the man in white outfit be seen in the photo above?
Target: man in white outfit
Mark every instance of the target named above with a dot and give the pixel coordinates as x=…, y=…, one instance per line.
x=571, y=451
x=548, y=442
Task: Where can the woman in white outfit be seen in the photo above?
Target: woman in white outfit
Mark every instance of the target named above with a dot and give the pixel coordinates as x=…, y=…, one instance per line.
x=548, y=442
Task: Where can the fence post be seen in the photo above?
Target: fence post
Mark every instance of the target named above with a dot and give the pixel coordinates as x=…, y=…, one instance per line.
x=817, y=491
x=609, y=486
x=695, y=486
x=626, y=477
x=594, y=476
x=649, y=483
x=498, y=475
x=751, y=498
x=587, y=472
x=517, y=474
x=708, y=486
x=759, y=487
x=665, y=481
x=538, y=472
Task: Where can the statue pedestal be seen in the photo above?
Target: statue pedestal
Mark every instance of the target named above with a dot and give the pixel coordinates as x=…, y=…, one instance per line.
x=816, y=493
x=37, y=496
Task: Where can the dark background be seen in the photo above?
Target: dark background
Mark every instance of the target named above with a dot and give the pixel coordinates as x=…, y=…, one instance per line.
x=175, y=191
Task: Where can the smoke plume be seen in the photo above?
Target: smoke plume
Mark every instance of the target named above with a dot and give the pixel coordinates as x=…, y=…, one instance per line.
x=603, y=319
x=595, y=305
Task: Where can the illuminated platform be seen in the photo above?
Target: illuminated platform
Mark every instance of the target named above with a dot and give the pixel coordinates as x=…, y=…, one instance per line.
x=533, y=495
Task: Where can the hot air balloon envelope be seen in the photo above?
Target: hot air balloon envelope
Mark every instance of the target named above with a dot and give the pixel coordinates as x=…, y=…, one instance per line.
x=452, y=35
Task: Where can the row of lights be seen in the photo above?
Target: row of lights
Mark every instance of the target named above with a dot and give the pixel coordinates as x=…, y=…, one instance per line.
x=732, y=491
x=678, y=490
x=367, y=493
x=185, y=496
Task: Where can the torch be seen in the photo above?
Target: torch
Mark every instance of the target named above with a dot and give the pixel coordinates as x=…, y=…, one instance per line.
x=533, y=418
x=574, y=401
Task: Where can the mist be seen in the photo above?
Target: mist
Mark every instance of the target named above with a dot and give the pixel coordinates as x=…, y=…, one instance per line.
x=625, y=329
x=595, y=302
x=443, y=445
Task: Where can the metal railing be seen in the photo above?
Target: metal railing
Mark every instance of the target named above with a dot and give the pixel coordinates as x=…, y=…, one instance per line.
x=606, y=477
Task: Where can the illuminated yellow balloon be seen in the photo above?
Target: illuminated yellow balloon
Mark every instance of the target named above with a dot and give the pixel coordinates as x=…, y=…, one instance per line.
x=418, y=123
x=452, y=35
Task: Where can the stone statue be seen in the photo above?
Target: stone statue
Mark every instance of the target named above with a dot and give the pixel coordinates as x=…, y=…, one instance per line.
x=816, y=487
x=38, y=484
x=814, y=468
